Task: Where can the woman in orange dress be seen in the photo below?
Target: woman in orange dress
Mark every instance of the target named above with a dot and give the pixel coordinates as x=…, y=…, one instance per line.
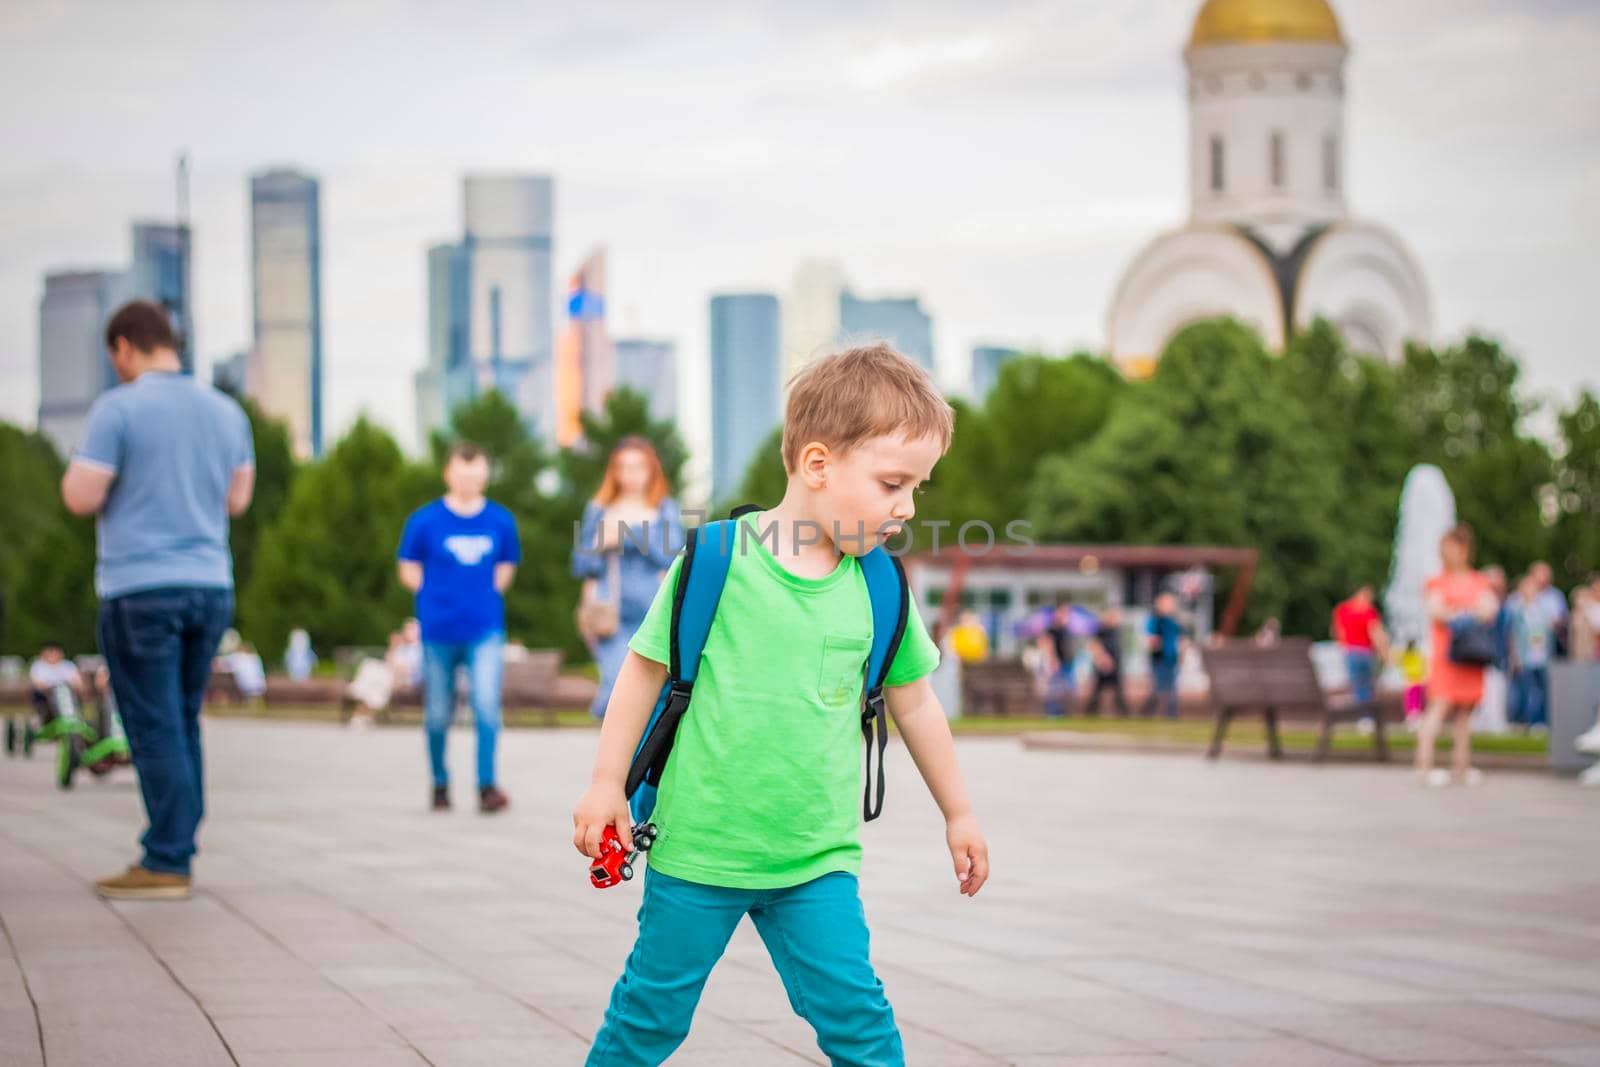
x=1453, y=688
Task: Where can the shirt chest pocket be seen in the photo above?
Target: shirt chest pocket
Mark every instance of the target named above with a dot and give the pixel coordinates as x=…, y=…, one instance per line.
x=843, y=670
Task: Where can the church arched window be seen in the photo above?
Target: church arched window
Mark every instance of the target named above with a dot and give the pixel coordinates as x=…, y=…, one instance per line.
x=1275, y=161
x=1330, y=162
x=1216, y=163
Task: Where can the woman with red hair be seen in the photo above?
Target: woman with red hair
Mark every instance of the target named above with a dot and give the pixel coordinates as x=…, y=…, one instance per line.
x=632, y=529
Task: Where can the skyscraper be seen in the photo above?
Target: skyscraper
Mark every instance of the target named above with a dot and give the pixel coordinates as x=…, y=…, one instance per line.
x=585, y=364
x=285, y=375
x=649, y=367
x=745, y=362
x=446, y=379
x=508, y=329
x=811, y=313
x=986, y=363
x=161, y=274
x=73, y=366
x=897, y=320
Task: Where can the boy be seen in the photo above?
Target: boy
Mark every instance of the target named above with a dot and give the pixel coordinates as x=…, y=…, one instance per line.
x=758, y=810
x=459, y=555
x=48, y=672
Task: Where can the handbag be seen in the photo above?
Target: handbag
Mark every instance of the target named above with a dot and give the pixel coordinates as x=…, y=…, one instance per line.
x=599, y=619
x=1473, y=643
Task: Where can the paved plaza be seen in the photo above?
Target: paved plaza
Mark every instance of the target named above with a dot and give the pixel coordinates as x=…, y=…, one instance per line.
x=1143, y=910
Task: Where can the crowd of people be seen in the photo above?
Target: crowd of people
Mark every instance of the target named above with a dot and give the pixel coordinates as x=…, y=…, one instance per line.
x=1061, y=641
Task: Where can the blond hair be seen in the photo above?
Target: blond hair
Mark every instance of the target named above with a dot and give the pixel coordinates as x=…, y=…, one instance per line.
x=852, y=396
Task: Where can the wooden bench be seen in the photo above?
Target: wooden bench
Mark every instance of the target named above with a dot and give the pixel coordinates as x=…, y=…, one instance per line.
x=998, y=687
x=1274, y=679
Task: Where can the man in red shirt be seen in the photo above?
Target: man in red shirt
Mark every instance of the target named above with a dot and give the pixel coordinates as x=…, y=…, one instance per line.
x=1358, y=628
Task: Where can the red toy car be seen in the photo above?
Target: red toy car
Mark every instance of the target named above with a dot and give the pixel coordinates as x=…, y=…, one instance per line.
x=615, y=864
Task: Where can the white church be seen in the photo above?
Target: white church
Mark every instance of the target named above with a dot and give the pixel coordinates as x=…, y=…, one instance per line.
x=1270, y=239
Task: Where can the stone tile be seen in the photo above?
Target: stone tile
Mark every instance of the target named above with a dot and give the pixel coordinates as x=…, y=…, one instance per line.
x=387, y=1057
x=1153, y=1022
x=19, y=1031
x=352, y=1029
x=1236, y=912
x=1271, y=1052
x=499, y=1051
x=1573, y=1057
x=1489, y=1023
x=175, y=1042
x=1577, y=1007
x=1138, y=1059
x=1364, y=1036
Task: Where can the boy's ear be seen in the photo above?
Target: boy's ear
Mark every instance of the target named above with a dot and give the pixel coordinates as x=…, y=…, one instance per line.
x=814, y=460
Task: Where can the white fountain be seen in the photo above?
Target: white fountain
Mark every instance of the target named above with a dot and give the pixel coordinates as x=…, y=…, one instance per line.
x=1427, y=510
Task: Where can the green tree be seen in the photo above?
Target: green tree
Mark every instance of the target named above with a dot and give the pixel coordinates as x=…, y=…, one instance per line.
x=275, y=469
x=47, y=554
x=1211, y=450
x=1464, y=412
x=1352, y=405
x=1575, y=538
x=30, y=479
x=765, y=480
x=55, y=589
x=1040, y=407
x=326, y=563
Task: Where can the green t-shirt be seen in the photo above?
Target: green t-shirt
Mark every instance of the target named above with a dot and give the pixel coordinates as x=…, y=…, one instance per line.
x=763, y=788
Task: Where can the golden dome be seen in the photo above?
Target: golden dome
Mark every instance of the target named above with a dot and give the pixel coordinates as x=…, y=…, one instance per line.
x=1265, y=22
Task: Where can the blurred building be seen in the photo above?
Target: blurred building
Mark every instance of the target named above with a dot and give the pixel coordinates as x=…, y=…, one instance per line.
x=232, y=375
x=585, y=364
x=811, y=313
x=649, y=367
x=745, y=364
x=986, y=363
x=445, y=380
x=285, y=375
x=1269, y=239
x=161, y=273
x=73, y=365
x=897, y=320
x=508, y=331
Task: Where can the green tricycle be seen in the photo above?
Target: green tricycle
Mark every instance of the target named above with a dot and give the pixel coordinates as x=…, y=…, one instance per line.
x=56, y=716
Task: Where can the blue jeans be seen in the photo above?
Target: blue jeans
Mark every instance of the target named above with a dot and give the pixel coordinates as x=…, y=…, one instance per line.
x=1529, y=694
x=1059, y=693
x=484, y=660
x=158, y=645
x=1164, y=687
x=817, y=936
x=1359, y=663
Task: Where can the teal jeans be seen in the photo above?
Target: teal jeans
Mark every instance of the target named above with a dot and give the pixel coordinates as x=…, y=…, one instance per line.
x=817, y=936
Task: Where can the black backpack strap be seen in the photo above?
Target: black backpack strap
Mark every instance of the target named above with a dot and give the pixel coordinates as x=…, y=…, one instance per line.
x=874, y=708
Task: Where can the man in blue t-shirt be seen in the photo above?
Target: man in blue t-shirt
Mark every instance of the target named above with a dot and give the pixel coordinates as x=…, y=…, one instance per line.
x=1164, y=634
x=163, y=463
x=458, y=555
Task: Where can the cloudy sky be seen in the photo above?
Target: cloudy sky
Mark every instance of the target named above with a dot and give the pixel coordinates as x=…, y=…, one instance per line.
x=1002, y=158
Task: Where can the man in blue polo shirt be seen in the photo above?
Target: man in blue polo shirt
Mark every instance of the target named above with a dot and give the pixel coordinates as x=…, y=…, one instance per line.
x=459, y=555
x=164, y=461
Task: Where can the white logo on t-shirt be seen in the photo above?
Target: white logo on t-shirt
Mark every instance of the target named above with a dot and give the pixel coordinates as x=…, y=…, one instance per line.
x=469, y=549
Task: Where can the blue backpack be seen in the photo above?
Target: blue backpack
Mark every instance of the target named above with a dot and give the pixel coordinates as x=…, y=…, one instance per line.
x=706, y=556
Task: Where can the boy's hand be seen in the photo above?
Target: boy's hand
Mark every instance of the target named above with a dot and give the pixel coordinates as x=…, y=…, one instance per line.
x=603, y=804
x=970, y=852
